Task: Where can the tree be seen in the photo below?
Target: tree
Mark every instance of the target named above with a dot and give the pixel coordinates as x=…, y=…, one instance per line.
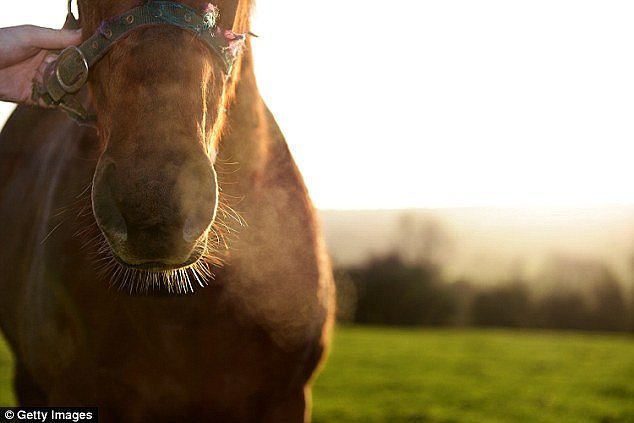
x=610, y=312
x=394, y=293
x=506, y=305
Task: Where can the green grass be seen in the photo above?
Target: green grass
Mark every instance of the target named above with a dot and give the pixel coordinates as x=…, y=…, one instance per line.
x=6, y=375
x=387, y=375
x=399, y=375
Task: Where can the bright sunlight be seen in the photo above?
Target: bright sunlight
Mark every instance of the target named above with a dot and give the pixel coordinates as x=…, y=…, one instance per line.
x=435, y=104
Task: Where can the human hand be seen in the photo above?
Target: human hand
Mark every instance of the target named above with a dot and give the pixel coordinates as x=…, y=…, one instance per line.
x=24, y=54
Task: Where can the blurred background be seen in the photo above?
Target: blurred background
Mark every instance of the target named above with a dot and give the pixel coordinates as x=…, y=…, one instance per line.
x=471, y=161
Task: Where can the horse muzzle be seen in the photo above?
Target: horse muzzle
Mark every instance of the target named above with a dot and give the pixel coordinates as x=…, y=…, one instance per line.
x=154, y=220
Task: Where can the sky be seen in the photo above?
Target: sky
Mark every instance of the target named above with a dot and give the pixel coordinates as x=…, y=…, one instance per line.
x=446, y=103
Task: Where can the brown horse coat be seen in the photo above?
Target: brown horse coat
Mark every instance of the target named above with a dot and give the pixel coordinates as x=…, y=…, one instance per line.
x=243, y=348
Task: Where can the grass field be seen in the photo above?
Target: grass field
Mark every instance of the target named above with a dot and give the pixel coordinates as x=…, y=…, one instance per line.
x=6, y=372
x=389, y=375
x=386, y=375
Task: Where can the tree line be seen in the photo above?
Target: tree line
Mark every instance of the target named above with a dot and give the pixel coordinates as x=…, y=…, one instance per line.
x=388, y=291
x=407, y=287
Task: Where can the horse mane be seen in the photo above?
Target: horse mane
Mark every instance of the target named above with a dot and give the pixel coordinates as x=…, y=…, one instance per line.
x=242, y=22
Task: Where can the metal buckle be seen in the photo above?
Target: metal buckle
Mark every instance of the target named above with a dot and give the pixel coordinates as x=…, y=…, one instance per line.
x=71, y=69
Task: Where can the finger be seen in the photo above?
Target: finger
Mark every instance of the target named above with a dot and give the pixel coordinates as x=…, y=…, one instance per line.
x=42, y=67
x=50, y=39
x=16, y=82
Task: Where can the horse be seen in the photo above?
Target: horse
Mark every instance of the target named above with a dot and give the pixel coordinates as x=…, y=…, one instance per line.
x=166, y=263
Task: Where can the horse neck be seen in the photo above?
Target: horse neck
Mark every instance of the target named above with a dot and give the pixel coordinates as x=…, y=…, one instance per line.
x=250, y=133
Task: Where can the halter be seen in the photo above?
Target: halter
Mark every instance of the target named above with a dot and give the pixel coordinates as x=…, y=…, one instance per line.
x=69, y=72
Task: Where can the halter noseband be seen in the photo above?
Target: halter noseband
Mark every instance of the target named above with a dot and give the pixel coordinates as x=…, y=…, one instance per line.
x=69, y=72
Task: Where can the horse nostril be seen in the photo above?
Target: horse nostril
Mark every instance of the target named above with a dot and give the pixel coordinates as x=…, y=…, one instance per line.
x=109, y=218
x=107, y=214
x=199, y=195
x=195, y=227
x=118, y=234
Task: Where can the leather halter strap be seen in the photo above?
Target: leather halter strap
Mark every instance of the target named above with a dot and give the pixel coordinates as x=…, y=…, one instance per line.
x=69, y=72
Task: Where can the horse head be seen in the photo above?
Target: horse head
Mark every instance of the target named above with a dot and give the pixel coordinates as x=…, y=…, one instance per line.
x=160, y=90
x=160, y=95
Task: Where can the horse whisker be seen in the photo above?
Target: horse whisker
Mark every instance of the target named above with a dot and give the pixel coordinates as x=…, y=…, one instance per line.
x=51, y=232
